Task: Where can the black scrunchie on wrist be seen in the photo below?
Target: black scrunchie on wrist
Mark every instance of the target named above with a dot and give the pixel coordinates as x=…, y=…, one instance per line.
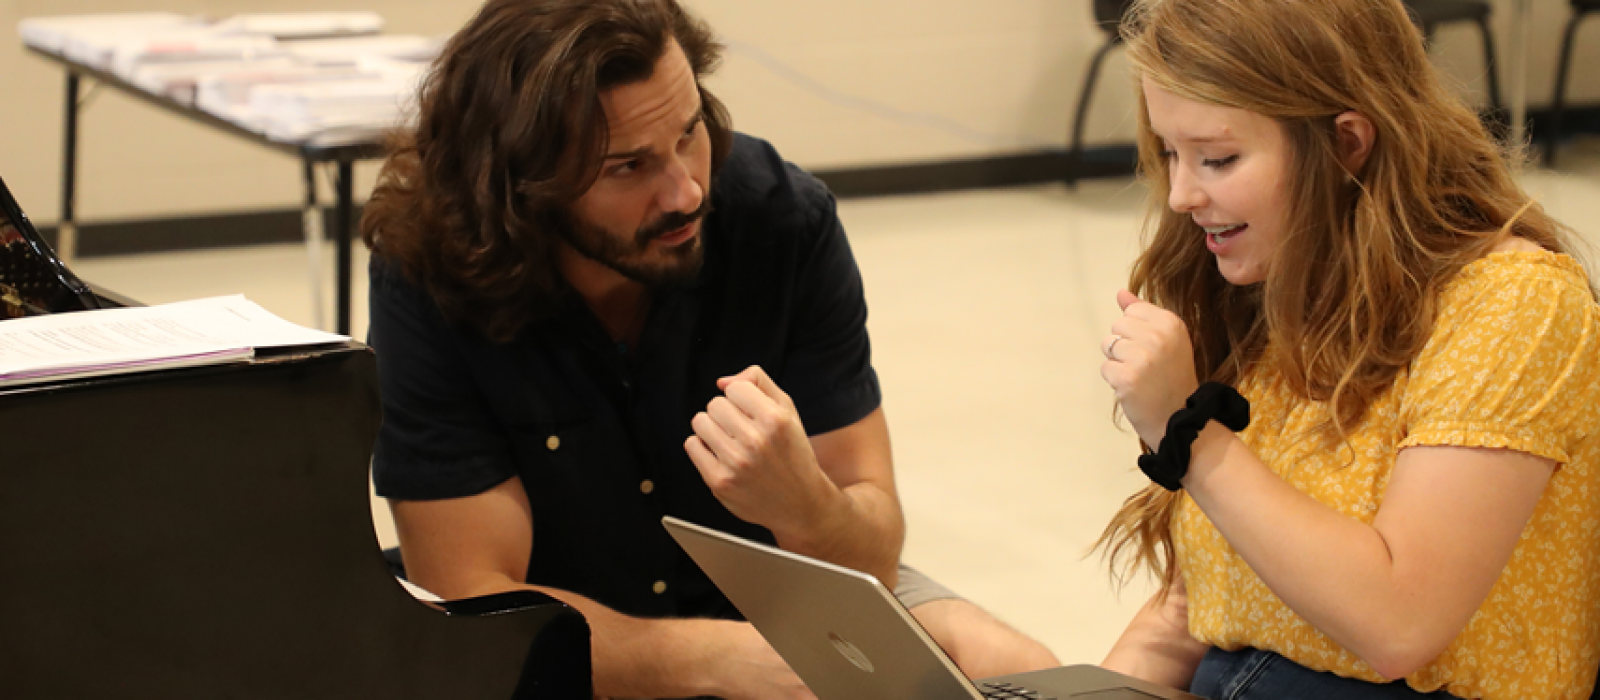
x=1167, y=465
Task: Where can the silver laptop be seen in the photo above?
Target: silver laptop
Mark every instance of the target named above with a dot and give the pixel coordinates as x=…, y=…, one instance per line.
x=848, y=637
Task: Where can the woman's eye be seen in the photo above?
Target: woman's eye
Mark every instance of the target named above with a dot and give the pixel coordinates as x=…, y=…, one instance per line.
x=1169, y=155
x=1219, y=162
x=625, y=168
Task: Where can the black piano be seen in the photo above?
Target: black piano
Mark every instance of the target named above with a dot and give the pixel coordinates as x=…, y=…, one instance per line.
x=206, y=533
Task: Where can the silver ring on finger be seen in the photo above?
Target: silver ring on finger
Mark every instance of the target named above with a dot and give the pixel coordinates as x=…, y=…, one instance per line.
x=1111, y=348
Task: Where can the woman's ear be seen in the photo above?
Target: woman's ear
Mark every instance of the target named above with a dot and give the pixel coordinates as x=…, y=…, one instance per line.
x=1355, y=139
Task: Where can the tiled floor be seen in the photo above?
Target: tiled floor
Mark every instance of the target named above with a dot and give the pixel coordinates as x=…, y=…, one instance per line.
x=987, y=308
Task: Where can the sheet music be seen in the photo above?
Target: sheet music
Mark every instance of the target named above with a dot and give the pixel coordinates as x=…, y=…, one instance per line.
x=109, y=341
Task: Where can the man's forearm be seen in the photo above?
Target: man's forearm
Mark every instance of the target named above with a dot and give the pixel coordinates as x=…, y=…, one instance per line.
x=859, y=524
x=862, y=529
x=463, y=548
x=645, y=657
x=630, y=656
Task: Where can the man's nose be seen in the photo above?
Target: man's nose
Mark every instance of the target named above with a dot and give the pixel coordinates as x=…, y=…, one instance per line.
x=680, y=192
x=1184, y=196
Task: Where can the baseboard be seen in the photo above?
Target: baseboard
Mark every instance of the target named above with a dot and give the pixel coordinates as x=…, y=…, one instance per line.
x=1113, y=160
x=106, y=238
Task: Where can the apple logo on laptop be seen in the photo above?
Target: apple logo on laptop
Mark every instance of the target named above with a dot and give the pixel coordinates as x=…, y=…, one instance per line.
x=850, y=652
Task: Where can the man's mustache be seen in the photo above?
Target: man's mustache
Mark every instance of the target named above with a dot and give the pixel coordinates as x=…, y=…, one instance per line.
x=670, y=222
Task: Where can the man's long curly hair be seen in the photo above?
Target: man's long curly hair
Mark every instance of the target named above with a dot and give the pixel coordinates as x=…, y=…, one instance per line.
x=510, y=131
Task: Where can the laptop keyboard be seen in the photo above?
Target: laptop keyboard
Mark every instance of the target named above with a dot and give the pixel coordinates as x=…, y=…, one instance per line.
x=1004, y=691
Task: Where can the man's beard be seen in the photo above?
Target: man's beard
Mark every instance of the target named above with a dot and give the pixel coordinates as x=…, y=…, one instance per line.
x=678, y=265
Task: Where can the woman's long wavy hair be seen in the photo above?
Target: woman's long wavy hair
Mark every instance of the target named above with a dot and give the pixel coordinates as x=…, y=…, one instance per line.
x=1350, y=294
x=510, y=131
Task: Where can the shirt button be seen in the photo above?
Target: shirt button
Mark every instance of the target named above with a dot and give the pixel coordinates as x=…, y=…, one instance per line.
x=646, y=486
x=659, y=587
x=553, y=442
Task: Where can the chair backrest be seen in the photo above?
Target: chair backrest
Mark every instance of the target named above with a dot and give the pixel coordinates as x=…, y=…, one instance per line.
x=207, y=533
x=1108, y=14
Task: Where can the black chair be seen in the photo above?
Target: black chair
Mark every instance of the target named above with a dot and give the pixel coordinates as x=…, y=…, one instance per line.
x=1558, y=103
x=1108, y=16
x=1429, y=14
x=1426, y=13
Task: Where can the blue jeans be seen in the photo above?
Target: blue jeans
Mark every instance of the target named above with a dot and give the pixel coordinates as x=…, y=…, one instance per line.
x=1252, y=674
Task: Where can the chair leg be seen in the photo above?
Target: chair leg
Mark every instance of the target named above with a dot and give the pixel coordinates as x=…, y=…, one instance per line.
x=1558, y=102
x=1076, y=156
x=1489, y=64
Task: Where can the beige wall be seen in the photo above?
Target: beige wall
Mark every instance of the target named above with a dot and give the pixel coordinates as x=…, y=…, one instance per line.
x=833, y=83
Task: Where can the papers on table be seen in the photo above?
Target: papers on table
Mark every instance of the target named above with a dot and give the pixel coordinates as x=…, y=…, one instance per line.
x=296, y=111
x=347, y=51
x=289, y=25
x=187, y=45
x=117, y=341
x=91, y=39
x=260, y=71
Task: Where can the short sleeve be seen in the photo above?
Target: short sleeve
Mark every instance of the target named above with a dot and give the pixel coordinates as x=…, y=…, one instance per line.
x=437, y=440
x=1512, y=361
x=828, y=368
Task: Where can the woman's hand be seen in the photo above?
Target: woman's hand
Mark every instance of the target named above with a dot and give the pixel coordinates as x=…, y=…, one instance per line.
x=1149, y=364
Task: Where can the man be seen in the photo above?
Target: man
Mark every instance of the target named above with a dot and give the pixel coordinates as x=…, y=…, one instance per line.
x=594, y=305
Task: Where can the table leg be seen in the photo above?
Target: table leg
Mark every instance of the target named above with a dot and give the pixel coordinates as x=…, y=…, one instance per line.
x=311, y=223
x=1521, y=19
x=67, y=229
x=345, y=213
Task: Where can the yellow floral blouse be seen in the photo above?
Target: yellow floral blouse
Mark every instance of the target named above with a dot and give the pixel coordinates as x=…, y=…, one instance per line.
x=1513, y=362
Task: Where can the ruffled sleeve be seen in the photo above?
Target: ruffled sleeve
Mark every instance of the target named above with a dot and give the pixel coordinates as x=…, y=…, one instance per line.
x=1513, y=360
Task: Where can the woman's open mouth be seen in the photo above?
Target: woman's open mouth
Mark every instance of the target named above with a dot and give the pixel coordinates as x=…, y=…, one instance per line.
x=1218, y=237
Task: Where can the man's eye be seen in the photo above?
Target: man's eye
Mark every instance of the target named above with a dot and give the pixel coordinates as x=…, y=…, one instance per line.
x=1219, y=162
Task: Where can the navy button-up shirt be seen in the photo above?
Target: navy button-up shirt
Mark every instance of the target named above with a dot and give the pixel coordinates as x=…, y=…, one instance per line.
x=595, y=432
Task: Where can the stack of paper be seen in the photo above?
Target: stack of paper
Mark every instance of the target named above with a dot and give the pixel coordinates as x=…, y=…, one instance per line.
x=350, y=50
x=180, y=80
x=344, y=87
x=226, y=93
x=91, y=39
x=290, y=25
x=295, y=111
x=117, y=341
x=187, y=44
x=347, y=86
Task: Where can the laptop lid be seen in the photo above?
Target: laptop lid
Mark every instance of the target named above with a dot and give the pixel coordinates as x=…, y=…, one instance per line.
x=32, y=279
x=849, y=638
x=841, y=630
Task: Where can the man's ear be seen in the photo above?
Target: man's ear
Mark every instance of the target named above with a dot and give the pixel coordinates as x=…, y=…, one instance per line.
x=1356, y=135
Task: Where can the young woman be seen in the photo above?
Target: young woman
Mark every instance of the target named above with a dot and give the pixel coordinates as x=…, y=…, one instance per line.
x=1413, y=509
